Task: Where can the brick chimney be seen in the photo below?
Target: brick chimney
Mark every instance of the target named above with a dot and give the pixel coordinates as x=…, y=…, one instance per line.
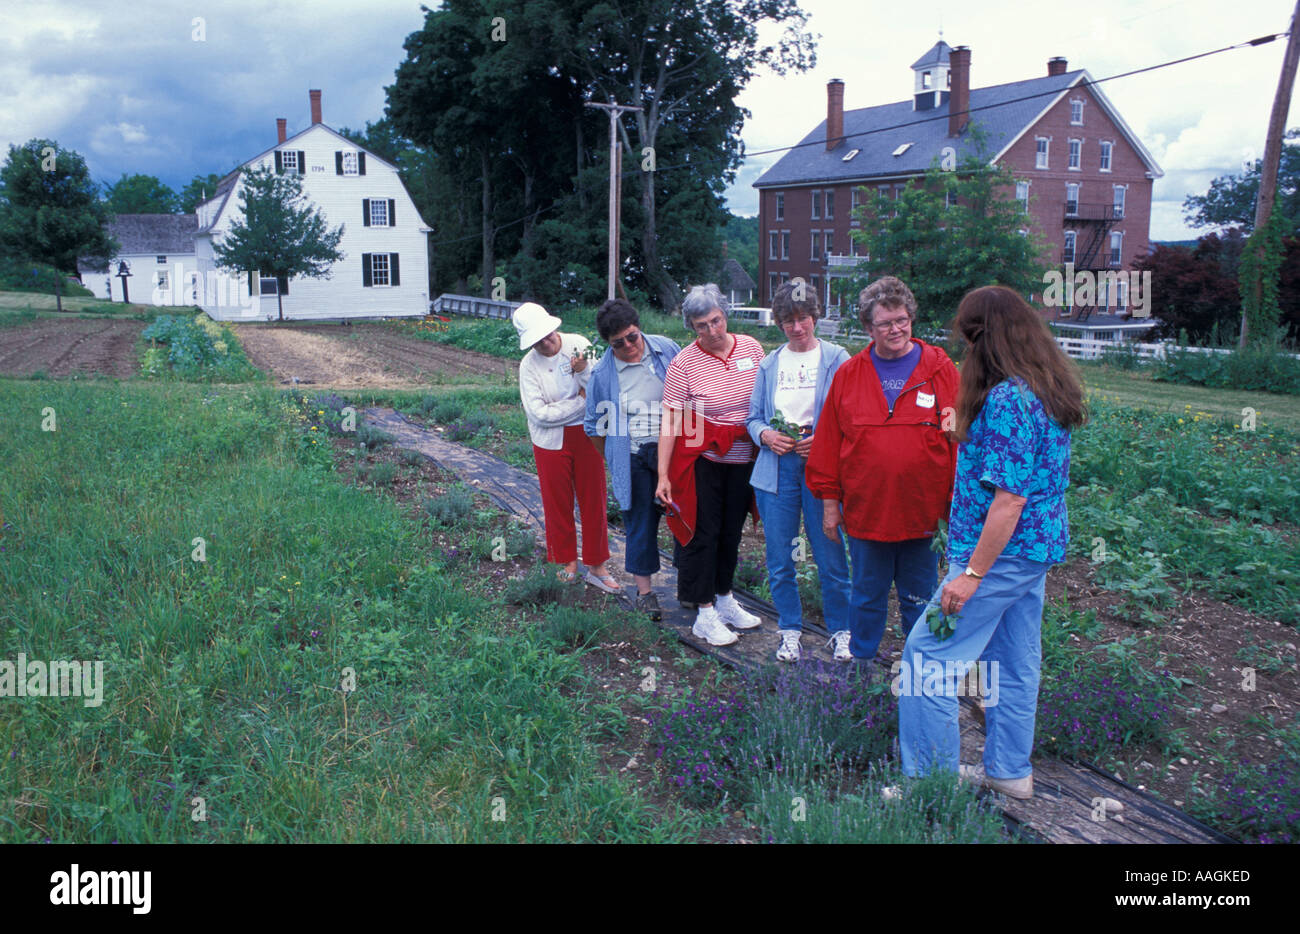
x=834, y=113
x=1056, y=66
x=315, y=107
x=280, y=133
x=959, y=94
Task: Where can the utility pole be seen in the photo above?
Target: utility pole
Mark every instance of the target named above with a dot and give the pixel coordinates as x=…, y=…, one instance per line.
x=615, y=171
x=1273, y=147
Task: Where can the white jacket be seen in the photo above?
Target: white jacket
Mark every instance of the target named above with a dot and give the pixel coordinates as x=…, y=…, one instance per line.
x=549, y=389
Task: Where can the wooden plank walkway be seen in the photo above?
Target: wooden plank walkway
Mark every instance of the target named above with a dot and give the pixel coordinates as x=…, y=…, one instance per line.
x=1068, y=797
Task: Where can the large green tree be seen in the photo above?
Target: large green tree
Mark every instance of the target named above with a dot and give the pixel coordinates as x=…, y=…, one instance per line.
x=279, y=234
x=198, y=190
x=1230, y=200
x=140, y=194
x=950, y=232
x=683, y=62
x=50, y=210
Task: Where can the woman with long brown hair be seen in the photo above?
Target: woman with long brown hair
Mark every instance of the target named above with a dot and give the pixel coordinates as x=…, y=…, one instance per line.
x=1018, y=400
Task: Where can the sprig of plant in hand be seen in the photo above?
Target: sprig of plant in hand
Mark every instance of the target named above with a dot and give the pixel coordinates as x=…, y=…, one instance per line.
x=594, y=350
x=786, y=427
x=941, y=624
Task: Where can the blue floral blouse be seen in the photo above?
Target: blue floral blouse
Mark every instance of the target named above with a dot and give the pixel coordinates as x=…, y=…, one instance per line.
x=1013, y=444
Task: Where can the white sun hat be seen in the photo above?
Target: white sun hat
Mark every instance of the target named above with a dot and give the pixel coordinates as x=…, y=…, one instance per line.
x=533, y=322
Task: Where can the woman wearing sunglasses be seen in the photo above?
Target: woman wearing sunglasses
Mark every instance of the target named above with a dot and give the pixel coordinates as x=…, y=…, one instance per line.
x=623, y=408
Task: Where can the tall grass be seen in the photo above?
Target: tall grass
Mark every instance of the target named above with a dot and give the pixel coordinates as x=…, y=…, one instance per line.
x=226, y=679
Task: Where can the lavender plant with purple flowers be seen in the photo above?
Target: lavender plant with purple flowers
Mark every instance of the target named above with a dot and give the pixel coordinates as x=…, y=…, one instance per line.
x=1259, y=802
x=696, y=746
x=1093, y=713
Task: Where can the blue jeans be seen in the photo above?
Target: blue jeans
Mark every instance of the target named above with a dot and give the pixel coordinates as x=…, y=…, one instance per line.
x=780, y=512
x=878, y=566
x=1001, y=625
x=641, y=519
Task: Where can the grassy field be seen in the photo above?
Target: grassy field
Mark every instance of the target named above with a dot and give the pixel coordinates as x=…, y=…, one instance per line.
x=1135, y=389
x=225, y=676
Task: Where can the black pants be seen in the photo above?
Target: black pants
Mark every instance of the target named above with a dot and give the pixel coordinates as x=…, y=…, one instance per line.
x=706, y=566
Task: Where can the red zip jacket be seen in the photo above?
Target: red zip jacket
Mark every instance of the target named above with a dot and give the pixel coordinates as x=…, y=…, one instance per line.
x=716, y=437
x=891, y=471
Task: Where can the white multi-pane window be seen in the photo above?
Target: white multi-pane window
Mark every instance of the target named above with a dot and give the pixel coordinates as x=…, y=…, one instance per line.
x=780, y=205
x=1105, y=155
x=1022, y=195
x=1076, y=113
x=350, y=163
x=1067, y=255
x=162, y=260
x=829, y=245
x=1120, y=192
x=1076, y=154
x=1121, y=294
x=1116, y=248
x=816, y=205
x=1071, y=199
x=773, y=241
x=289, y=160
x=378, y=212
x=379, y=269
x=1040, y=154
x=785, y=244
x=829, y=205
x=816, y=244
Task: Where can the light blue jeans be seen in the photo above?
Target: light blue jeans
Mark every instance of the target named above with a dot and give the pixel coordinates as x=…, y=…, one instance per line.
x=780, y=513
x=910, y=565
x=1000, y=625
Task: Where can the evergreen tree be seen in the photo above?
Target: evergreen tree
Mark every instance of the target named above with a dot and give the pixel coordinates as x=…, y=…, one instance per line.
x=140, y=194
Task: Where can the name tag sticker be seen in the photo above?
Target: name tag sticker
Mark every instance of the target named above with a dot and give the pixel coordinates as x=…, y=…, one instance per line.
x=747, y=363
x=925, y=400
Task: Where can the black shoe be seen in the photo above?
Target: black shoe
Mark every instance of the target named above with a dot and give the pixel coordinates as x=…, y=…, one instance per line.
x=648, y=603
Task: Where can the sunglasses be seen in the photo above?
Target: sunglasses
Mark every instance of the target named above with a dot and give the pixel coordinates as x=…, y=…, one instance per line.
x=630, y=340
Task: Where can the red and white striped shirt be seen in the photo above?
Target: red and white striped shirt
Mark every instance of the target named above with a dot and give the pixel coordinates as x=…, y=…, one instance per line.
x=716, y=388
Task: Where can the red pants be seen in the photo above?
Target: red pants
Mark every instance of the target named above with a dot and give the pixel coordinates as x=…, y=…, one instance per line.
x=576, y=466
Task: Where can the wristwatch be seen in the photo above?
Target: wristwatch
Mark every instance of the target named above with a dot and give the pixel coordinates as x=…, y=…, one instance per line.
x=970, y=572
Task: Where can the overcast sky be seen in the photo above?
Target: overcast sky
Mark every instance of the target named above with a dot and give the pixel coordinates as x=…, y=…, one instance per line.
x=130, y=88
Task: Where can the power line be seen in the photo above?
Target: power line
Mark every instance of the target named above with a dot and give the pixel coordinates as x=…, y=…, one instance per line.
x=1261, y=40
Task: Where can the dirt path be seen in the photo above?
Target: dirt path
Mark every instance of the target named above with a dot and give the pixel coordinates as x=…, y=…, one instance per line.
x=360, y=356
x=60, y=348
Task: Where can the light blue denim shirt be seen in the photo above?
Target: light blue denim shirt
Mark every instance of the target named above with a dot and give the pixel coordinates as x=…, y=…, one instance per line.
x=610, y=421
x=762, y=406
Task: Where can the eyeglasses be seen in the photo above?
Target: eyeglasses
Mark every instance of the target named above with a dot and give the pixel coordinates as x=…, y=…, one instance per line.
x=629, y=339
x=899, y=324
x=713, y=324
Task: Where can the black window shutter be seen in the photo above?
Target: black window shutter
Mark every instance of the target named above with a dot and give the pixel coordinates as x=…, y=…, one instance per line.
x=250, y=282
x=282, y=283
x=338, y=163
x=279, y=163
x=365, y=212
x=361, y=163
x=302, y=162
x=365, y=269
x=394, y=277
x=392, y=213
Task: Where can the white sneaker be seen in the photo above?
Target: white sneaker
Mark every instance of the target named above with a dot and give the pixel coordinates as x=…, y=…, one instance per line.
x=841, y=642
x=709, y=627
x=789, y=650
x=734, y=615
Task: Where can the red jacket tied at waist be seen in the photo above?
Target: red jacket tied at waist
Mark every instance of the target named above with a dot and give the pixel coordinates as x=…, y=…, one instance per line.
x=715, y=437
x=892, y=470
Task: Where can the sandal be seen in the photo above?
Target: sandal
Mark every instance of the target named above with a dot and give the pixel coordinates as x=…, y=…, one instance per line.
x=606, y=583
x=565, y=576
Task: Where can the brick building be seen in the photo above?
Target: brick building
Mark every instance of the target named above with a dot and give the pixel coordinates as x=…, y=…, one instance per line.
x=1085, y=178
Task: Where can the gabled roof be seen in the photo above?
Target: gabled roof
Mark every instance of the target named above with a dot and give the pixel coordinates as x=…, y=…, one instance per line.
x=227, y=184
x=734, y=277
x=1004, y=112
x=151, y=234
x=938, y=55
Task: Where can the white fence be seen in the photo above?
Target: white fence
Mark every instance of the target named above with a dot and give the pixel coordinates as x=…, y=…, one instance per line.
x=1082, y=348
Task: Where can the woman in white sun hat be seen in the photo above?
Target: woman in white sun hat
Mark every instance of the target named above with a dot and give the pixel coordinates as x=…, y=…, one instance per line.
x=553, y=385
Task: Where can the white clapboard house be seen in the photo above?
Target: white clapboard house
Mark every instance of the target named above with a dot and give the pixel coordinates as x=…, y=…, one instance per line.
x=384, y=271
x=154, y=263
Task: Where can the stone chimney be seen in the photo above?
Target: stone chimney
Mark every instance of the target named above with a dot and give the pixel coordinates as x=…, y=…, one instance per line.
x=1056, y=66
x=280, y=132
x=315, y=107
x=959, y=95
x=834, y=113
